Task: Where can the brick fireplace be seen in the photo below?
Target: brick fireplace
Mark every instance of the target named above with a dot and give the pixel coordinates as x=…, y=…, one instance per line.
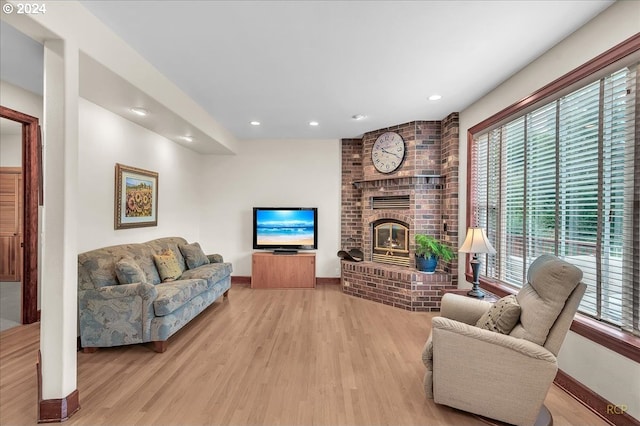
x=381, y=213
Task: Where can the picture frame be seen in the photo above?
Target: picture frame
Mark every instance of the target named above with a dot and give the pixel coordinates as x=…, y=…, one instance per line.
x=136, y=197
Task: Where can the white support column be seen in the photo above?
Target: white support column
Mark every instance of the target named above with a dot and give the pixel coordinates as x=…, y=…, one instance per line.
x=58, y=335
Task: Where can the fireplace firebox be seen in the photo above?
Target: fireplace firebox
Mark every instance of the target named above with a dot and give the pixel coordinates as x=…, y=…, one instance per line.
x=391, y=242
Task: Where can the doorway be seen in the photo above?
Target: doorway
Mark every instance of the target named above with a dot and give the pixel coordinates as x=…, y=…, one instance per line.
x=11, y=216
x=22, y=248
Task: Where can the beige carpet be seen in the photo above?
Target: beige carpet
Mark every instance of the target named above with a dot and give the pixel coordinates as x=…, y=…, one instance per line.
x=9, y=305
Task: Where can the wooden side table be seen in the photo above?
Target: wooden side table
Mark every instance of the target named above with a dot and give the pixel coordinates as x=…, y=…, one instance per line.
x=488, y=297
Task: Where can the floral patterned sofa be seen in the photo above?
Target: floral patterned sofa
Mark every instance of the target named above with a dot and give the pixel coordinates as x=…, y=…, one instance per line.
x=123, y=298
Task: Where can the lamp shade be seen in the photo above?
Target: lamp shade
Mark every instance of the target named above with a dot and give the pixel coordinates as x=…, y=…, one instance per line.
x=476, y=242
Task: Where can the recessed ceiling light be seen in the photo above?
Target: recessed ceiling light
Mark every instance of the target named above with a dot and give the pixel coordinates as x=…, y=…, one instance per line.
x=435, y=97
x=186, y=138
x=255, y=123
x=313, y=123
x=358, y=117
x=139, y=111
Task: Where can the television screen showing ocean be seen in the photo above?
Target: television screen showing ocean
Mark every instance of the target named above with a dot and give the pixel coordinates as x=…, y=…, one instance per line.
x=285, y=227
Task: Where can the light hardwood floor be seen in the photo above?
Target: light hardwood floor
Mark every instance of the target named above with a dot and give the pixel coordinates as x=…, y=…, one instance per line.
x=262, y=357
x=10, y=300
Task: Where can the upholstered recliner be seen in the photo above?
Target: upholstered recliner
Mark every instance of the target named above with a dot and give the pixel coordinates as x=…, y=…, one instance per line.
x=503, y=376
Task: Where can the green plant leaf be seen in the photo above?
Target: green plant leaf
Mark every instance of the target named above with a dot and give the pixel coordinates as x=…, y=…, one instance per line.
x=428, y=246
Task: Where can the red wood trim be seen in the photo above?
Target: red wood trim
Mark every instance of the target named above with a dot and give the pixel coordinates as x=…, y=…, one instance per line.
x=243, y=280
x=18, y=116
x=621, y=342
x=31, y=178
x=327, y=281
x=40, y=169
x=30, y=187
x=240, y=280
x=626, y=344
x=601, y=61
x=614, y=414
x=58, y=410
x=55, y=410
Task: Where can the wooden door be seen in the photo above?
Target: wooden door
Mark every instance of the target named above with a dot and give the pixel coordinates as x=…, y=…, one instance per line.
x=11, y=206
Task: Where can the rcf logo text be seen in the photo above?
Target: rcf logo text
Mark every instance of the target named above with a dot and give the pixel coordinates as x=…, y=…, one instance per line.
x=616, y=408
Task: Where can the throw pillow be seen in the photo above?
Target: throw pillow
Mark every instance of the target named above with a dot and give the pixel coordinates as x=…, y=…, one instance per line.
x=128, y=272
x=193, y=255
x=502, y=316
x=168, y=266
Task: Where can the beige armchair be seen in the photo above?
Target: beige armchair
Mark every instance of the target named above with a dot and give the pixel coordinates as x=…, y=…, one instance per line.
x=503, y=376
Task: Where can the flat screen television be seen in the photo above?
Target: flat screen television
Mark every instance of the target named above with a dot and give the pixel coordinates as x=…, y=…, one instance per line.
x=285, y=228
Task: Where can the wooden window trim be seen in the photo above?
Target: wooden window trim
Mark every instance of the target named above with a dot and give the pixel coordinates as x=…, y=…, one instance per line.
x=623, y=343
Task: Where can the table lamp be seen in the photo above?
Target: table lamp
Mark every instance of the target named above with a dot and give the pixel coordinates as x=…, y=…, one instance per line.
x=476, y=242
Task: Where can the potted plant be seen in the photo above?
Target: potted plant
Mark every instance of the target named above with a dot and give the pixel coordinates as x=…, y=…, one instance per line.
x=428, y=251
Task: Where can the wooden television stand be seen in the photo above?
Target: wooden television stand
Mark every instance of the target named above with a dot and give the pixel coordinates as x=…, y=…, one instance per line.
x=283, y=270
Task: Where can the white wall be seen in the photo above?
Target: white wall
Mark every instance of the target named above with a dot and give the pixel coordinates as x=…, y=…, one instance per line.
x=11, y=148
x=16, y=98
x=107, y=139
x=271, y=173
x=611, y=375
x=614, y=25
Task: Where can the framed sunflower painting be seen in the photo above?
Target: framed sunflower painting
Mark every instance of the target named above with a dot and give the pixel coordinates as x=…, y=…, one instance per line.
x=136, y=198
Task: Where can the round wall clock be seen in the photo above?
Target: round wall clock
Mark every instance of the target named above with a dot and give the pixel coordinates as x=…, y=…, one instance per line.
x=387, y=153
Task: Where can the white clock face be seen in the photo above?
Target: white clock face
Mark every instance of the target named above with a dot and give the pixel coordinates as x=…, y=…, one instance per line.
x=388, y=152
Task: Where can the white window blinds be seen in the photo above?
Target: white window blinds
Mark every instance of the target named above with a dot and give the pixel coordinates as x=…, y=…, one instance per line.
x=564, y=179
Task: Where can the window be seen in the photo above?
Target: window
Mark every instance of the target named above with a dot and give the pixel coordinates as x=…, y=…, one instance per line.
x=564, y=179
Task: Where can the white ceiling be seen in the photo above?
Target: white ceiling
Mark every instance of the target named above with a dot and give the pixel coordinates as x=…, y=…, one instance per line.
x=285, y=63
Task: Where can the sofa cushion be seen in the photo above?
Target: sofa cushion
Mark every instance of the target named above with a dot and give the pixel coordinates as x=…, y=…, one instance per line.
x=173, y=295
x=128, y=271
x=168, y=266
x=502, y=316
x=550, y=281
x=97, y=268
x=193, y=255
x=212, y=272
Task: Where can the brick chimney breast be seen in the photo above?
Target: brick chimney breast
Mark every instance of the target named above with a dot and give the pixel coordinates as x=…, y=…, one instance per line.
x=420, y=195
